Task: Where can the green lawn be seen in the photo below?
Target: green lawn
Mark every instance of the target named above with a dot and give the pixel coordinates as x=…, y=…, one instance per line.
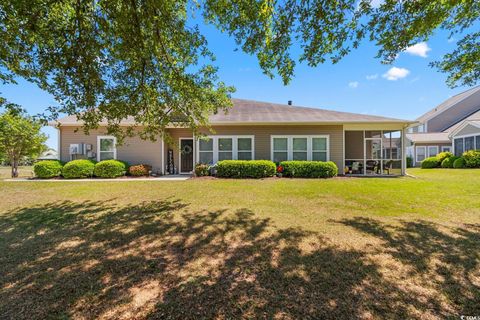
x=23, y=172
x=229, y=249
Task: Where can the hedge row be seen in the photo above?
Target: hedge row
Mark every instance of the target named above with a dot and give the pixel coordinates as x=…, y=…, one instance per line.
x=83, y=168
x=266, y=168
x=309, y=169
x=245, y=169
x=469, y=159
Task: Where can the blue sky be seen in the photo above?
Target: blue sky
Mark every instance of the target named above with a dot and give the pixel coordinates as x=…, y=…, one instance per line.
x=359, y=83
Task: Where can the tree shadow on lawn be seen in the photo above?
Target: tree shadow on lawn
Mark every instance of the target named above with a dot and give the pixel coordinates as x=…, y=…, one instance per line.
x=445, y=260
x=162, y=260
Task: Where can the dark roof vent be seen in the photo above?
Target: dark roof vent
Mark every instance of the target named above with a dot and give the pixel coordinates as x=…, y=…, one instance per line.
x=289, y=102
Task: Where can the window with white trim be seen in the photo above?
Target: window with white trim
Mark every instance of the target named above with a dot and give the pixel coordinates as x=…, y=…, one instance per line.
x=205, y=151
x=305, y=148
x=218, y=148
x=432, y=151
x=446, y=149
x=420, y=153
x=106, y=148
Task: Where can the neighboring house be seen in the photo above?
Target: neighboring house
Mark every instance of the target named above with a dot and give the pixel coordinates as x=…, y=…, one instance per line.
x=359, y=144
x=48, y=155
x=451, y=126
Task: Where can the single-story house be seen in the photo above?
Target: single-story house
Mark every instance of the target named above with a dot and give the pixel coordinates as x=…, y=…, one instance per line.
x=359, y=144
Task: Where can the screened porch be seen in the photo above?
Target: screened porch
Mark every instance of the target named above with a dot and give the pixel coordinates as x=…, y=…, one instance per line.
x=373, y=153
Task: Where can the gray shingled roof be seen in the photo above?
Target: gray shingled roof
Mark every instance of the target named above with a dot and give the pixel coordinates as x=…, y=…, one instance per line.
x=438, y=137
x=248, y=111
x=456, y=99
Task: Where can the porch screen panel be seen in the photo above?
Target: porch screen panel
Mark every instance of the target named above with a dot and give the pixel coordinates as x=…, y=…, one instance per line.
x=458, y=147
x=469, y=143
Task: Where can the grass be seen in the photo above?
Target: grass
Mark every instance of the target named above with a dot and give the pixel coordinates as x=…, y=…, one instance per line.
x=23, y=172
x=228, y=249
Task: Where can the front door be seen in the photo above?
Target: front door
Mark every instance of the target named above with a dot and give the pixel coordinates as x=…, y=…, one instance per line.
x=186, y=155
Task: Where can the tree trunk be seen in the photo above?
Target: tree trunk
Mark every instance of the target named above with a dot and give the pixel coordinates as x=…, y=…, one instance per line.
x=14, y=168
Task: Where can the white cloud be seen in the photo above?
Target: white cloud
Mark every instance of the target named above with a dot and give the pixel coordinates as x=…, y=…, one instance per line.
x=394, y=73
x=420, y=49
x=372, y=76
x=353, y=84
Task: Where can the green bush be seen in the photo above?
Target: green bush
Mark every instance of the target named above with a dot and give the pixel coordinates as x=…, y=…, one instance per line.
x=309, y=169
x=448, y=162
x=430, y=163
x=202, y=170
x=459, y=163
x=110, y=169
x=48, y=169
x=443, y=155
x=409, y=162
x=472, y=158
x=139, y=170
x=245, y=169
x=78, y=169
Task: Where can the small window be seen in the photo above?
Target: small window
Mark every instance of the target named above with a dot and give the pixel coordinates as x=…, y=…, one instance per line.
x=420, y=153
x=244, y=146
x=446, y=149
x=319, y=149
x=106, y=148
x=206, y=151
x=300, y=149
x=432, y=151
x=225, y=149
x=280, y=149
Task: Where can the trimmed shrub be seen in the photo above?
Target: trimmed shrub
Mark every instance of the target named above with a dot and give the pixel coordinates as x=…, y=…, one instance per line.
x=409, y=162
x=139, y=170
x=472, y=158
x=78, y=169
x=443, y=155
x=459, y=163
x=48, y=169
x=309, y=169
x=246, y=169
x=110, y=169
x=202, y=170
x=448, y=162
x=430, y=163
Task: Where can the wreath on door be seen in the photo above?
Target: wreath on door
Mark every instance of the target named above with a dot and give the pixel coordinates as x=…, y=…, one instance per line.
x=187, y=149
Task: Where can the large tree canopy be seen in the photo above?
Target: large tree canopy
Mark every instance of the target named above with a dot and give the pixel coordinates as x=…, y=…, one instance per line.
x=147, y=59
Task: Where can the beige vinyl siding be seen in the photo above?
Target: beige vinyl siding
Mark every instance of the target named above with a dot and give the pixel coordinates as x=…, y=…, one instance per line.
x=263, y=135
x=134, y=150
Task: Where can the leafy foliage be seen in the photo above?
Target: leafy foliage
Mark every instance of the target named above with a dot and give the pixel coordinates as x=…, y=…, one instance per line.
x=20, y=136
x=431, y=162
x=246, y=169
x=78, y=169
x=48, y=169
x=139, y=170
x=472, y=158
x=112, y=59
x=448, y=162
x=409, y=162
x=202, y=170
x=309, y=169
x=443, y=155
x=110, y=169
x=459, y=163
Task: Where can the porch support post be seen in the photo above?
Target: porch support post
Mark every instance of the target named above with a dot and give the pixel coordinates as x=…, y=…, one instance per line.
x=162, y=156
x=404, y=153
